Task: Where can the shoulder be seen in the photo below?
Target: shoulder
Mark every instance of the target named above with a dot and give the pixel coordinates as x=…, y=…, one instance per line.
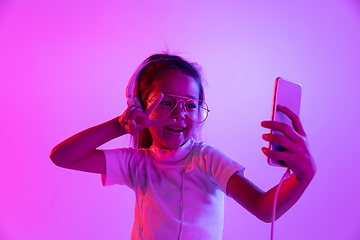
x=209, y=150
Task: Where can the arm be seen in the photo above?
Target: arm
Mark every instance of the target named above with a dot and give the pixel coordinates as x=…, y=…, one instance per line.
x=299, y=159
x=79, y=151
x=260, y=203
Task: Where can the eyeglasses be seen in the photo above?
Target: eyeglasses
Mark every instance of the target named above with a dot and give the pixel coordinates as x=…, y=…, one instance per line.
x=197, y=110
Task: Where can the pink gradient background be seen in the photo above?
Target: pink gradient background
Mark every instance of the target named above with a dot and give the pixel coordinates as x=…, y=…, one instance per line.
x=64, y=66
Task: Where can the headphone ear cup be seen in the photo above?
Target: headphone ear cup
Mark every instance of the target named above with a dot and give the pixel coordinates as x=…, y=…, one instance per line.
x=134, y=101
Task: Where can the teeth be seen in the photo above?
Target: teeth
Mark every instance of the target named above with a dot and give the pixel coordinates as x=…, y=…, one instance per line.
x=175, y=129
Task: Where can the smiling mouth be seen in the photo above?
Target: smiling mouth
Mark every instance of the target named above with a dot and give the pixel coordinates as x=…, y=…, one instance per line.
x=175, y=130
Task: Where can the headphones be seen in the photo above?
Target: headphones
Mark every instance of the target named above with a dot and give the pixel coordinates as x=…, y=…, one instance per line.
x=133, y=100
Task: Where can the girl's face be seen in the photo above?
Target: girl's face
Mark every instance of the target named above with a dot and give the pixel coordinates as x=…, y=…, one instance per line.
x=172, y=81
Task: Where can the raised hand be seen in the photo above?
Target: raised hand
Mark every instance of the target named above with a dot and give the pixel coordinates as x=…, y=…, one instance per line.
x=135, y=119
x=297, y=154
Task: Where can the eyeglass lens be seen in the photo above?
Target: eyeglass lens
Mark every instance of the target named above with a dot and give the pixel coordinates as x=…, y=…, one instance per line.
x=197, y=110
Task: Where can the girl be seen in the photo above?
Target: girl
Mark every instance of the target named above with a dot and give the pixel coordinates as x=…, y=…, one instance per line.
x=179, y=182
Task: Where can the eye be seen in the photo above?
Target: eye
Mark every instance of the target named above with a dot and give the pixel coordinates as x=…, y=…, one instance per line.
x=168, y=101
x=191, y=105
x=165, y=103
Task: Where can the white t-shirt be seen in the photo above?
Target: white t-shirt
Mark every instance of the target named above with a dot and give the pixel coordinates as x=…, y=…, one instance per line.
x=178, y=192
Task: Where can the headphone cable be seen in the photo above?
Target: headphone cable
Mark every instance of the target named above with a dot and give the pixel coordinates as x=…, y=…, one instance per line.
x=286, y=175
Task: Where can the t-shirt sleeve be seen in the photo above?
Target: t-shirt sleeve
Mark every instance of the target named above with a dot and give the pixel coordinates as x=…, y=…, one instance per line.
x=219, y=165
x=119, y=167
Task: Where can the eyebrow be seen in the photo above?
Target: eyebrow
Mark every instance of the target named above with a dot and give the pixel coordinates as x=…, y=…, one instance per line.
x=187, y=96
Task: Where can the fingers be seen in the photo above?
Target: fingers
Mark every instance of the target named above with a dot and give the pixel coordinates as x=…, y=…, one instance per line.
x=301, y=163
x=128, y=119
x=131, y=127
x=297, y=154
x=288, y=157
x=134, y=113
x=282, y=156
x=288, y=131
x=283, y=128
x=154, y=104
x=135, y=119
x=294, y=119
x=123, y=119
x=129, y=113
x=282, y=141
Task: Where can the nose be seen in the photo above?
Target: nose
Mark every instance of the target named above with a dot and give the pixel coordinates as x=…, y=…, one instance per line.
x=179, y=111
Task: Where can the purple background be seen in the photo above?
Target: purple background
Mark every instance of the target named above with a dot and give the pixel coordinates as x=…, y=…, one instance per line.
x=64, y=66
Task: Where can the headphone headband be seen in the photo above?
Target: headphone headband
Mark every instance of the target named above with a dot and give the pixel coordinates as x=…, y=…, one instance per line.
x=132, y=82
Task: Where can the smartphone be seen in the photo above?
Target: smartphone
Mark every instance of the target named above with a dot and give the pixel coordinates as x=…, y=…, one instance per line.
x=286, y=93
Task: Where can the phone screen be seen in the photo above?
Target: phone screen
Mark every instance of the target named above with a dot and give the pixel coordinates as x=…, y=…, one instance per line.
x=286, y=93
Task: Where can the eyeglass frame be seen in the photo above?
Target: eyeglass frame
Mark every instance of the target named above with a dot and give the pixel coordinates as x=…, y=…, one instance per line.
x=183, y=100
